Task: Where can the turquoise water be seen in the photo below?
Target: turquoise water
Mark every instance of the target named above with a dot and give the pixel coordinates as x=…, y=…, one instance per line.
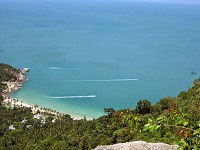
x=85, y=56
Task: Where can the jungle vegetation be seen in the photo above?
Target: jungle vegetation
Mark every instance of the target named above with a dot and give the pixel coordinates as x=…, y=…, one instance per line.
x=172, y=120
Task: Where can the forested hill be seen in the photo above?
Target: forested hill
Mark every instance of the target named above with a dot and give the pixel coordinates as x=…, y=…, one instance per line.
x=171, y=120
x=7, y=73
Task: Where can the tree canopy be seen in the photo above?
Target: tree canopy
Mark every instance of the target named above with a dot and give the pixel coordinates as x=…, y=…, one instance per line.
x=171, y=120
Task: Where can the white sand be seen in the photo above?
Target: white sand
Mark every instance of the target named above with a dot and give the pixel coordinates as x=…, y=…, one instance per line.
x=13, y=86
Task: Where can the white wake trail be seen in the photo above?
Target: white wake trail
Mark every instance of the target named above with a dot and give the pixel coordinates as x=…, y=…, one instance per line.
x=109, y=80
x=81, y=96
x=62, y=68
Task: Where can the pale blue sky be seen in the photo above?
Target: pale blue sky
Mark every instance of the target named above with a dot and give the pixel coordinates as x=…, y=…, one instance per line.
x=169, y=1
x=193, y=2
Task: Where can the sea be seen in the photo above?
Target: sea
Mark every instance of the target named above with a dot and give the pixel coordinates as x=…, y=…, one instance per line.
x=87, y=55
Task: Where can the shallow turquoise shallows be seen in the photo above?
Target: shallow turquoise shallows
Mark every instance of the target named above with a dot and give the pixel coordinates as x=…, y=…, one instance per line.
x=84, y=56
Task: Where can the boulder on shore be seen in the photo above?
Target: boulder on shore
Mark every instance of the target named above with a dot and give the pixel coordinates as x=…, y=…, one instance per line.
x=25, y=70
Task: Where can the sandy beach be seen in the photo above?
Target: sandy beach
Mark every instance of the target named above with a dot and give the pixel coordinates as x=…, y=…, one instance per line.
x=35, y=109
x=13, y=86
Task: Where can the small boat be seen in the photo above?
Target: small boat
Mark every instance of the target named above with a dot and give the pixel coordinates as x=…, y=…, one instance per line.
x=25, y=70
x=193, y=72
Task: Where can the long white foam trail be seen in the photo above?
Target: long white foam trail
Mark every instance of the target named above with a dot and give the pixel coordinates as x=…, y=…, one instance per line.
x=55, y=68
x=84, y=96
x=110, y=80
x=62, y=68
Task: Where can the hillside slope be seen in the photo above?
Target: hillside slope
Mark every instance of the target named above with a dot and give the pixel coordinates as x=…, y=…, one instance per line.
x=172, y=120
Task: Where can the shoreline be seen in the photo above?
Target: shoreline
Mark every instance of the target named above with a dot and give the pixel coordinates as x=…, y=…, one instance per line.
x=13, y=86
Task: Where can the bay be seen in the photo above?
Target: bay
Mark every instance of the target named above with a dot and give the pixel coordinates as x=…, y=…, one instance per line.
x=88, y=55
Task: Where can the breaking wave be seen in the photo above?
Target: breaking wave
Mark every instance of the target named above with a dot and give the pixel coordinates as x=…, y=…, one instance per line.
x=63, y=97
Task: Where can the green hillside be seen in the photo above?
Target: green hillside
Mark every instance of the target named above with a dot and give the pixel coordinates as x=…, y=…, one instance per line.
x=173, y=120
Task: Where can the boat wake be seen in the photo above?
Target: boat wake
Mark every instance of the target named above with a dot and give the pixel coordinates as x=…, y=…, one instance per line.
x=62, y=68
x=70, y=97
x=55, y=68
x=110, y=80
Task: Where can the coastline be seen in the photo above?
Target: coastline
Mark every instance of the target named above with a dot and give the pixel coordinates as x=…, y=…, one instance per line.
x=17, y=84
x=13, y=86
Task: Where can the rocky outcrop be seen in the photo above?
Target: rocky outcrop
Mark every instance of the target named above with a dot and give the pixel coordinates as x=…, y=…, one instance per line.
x=138, y=145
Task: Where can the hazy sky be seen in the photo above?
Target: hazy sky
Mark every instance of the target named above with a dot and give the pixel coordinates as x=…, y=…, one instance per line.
x=169, y=1
x=159, y=1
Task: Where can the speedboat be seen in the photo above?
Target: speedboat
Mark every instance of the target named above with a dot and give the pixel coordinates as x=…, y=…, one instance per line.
x=193, y=72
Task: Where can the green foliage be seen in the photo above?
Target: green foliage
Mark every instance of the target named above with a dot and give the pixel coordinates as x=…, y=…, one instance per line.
x=110, y=111
x=1, y=99
x=121, y=135
x=180, y=122
x=171, y=120
x=143, y=107
x=7, y=72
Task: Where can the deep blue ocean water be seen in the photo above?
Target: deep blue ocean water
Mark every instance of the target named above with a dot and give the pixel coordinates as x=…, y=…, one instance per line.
x=85, y=56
